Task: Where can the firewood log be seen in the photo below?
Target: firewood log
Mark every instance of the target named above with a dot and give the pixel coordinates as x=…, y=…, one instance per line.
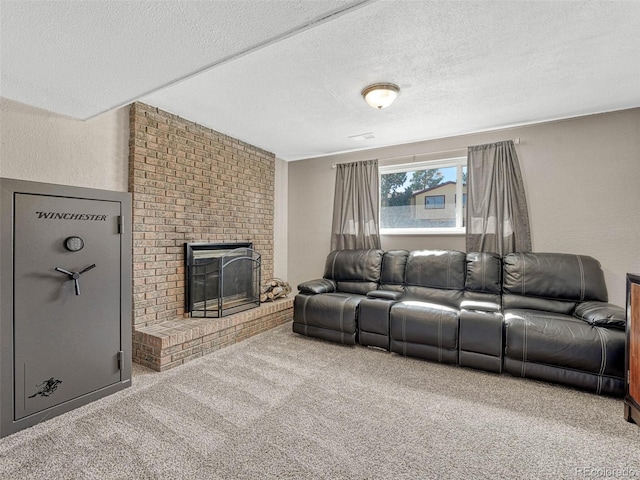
x=274, y=289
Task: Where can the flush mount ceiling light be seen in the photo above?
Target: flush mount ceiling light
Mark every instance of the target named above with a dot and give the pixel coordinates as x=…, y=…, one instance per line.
x=380, y=95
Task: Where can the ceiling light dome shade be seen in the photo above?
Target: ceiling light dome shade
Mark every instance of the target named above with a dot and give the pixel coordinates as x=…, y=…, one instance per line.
x=380, y=95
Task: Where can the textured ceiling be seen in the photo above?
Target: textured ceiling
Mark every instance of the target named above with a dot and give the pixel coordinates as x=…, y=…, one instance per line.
x=287, y=75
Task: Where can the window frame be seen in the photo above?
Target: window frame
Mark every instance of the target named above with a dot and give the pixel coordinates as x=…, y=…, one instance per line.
x=459, y=163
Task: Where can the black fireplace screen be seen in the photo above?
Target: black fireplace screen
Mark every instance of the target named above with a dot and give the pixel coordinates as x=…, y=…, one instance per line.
x=221, y=279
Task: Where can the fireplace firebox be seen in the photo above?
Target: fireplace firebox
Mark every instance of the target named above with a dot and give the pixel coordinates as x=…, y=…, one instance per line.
x=221, y=278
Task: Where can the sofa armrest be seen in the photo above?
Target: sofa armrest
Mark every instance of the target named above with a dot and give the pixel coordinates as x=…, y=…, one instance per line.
x=320, y=285
x=385, y=295
x=480, y=306
x=601, y=314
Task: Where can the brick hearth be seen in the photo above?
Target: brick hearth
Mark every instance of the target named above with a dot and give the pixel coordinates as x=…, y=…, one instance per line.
x=171, y=343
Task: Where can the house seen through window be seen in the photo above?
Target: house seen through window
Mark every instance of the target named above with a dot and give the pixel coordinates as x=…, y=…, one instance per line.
x=423, y=197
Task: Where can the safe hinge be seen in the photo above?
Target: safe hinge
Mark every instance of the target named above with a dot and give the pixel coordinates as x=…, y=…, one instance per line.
x=120, y=359
x=628, y=376
x=121, y=224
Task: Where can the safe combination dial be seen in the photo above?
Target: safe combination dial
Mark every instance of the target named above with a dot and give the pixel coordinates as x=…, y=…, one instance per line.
x=74, y=244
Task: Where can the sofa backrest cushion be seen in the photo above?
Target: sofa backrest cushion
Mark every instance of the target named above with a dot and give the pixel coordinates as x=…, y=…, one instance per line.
x=551, y=281
x=483, y=282
x=436, y=276
x=394, y=263
x=354, y=271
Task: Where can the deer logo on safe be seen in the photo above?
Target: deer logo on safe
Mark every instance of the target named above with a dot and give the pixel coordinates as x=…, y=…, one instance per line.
x=47, y=387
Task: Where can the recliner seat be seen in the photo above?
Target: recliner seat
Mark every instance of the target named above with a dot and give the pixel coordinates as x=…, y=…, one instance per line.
x=327, y=308
x=424, y=323
x=558, y=326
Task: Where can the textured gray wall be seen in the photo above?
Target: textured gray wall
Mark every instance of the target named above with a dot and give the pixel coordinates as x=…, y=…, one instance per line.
x=581, y=177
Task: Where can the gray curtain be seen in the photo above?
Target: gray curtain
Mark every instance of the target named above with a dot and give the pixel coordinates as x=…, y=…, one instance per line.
x=355, y=206
x=497, y=218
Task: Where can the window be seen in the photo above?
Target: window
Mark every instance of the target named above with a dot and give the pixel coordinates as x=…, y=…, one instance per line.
x=421, y=197
x=434, y=201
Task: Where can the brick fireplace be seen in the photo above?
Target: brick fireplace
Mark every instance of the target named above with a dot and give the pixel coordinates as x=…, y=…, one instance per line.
x=191, y=184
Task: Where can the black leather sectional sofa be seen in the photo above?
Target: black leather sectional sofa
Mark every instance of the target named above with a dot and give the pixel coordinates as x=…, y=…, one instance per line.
x=536, y=315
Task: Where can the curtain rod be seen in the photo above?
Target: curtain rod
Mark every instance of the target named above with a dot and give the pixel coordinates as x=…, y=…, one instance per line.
x=514, y=140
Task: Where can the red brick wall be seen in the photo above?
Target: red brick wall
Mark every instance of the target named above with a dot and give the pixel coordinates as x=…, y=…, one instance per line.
x=190, y=184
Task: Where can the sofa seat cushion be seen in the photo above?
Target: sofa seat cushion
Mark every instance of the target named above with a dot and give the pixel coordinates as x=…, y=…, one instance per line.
x=425, y=330
x=335, y=312
x=559, y=340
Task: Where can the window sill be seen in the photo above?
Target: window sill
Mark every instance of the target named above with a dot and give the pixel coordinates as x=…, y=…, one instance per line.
x=423, y=231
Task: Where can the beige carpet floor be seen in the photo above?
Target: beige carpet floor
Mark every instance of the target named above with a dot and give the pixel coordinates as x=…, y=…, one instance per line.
x=282, y=406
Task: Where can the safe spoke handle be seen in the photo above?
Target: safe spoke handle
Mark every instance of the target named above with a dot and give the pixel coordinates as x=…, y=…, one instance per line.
x=75, y=276
x=62, y=270
x=88, y=268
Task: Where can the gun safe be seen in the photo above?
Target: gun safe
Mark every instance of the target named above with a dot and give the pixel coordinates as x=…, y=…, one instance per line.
x=65, y=299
